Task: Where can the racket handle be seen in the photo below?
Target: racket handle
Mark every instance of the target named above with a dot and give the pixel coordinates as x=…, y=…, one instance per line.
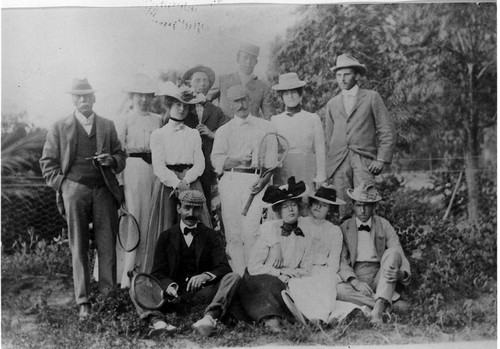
x=247, y=206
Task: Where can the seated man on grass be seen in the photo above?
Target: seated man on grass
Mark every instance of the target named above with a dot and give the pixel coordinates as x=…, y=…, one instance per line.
x=191, y=264
x=372, y=262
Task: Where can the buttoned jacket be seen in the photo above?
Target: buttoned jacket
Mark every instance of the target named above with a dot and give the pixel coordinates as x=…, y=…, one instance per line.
x=368, y=129
x=261, y=98
x=384, y=237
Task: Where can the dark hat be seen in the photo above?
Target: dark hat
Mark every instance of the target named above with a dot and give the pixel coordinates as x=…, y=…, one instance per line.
x=199, y=68
x=275, y=195
x=249, y=48
x=237, y=92
x=327, y=194
x=347, y=61
x=81, y=87
x=192, y=197
x=364, y=193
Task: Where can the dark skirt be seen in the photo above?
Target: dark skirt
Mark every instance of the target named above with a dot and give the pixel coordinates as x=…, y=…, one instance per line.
x=260, y=297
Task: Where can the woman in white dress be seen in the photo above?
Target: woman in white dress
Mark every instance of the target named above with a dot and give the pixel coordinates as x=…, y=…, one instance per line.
x=178, y=162
x=304, y=132
x=134, y=131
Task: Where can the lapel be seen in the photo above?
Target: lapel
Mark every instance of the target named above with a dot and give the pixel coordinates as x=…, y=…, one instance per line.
x=71, y=137
x=100, y=134
x=359, y=99
x=206, y=113
x=339, y=103
x=201, y=238
x=378, y=236
x=352, y=239
x=175, y=241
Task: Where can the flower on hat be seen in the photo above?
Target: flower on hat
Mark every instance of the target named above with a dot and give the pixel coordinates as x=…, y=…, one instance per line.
x=187, y=93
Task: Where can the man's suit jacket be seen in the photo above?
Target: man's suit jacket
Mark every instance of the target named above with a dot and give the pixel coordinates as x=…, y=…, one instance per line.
x=209, y=251
x=60, y=149
x=261, y=98
x=367, y=130
x=213, y=117
x=384, y=237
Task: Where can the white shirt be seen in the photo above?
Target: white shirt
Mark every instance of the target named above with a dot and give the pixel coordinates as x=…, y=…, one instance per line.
x=189, y=237
x=134, y=130
x=349, y=98
x=366, y=243
x=84, y=121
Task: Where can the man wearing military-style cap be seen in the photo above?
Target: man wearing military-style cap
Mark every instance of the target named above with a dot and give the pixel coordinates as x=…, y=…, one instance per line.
x=235, y=157
x=260, y=97
x=191, y=264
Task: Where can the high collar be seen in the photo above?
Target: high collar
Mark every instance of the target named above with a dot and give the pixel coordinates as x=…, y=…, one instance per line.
x=84, y=120
x=353, y=92
x=368, y=222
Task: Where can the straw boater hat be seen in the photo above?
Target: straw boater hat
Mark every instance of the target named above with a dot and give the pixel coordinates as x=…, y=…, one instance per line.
x=347, y=61
x=328, y=195
x=249, y=48
x=192, y=197
x=288, y=81
x=364, y=193
x=184, y=94
x=237, y=92
x=81, y=87
x=275, y=195
x=200, y=68
x=141, y=83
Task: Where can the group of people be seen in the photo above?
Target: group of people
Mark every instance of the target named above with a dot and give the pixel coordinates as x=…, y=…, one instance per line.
x=296, y=265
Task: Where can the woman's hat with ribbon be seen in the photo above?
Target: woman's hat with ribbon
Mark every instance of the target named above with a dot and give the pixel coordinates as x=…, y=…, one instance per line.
x=288, y=81
x=183, y=94
x=275, y=195
x=364, y=193
x=328, y=195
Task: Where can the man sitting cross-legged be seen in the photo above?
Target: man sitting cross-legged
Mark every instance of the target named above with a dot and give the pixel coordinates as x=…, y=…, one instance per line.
x=372, y=262
x=191, y=264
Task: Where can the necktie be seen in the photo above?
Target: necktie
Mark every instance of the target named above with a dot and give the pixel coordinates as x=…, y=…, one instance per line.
x=188, y=230
x=287, y=229
x=364, y=227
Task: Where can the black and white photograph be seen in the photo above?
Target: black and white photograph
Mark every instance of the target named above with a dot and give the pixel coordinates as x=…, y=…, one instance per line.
x=188, y=174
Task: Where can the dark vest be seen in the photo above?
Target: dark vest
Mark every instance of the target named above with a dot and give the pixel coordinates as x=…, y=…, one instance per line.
x=82, y=170
x=187, y=263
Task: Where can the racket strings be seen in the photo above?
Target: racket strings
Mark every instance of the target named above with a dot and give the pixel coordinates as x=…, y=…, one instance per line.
x=148, y=293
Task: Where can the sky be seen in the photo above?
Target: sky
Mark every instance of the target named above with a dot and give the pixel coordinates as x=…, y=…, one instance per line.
x=43, y=49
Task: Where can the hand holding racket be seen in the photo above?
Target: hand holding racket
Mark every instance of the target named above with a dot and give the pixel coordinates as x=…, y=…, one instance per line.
x=148, y=292
x=272, y=151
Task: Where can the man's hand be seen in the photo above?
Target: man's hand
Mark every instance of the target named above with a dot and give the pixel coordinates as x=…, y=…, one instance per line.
x=258, y=186
x=376, y=167
x=205, y=131
x=275, y=256
x=195, y=283
x=284, y=278
x=392, y=274
x=295, y=272
x=105, y=160
x=362, y=287
x=318, y=185
x=171, y=294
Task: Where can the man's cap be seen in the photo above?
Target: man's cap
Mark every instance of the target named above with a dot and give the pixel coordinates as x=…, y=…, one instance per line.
x=288, y=81
x=81, y=87
x=237, y=92
x=249, y=48
x=200, y=68
x=192, y=197
x=364, y=193
x=141, y=83
x=348, y=61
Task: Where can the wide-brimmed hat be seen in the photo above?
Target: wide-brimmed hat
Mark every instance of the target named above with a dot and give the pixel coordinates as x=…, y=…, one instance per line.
x=200, y=68
x=249, y=48
x=275, y=195
x=288, y=81
x=184, y=94
x=237, y=92
x=364, y=193
x=192, y=197
x=328, y=195
x=81, y=87
x=348, y=61
x=141, y=83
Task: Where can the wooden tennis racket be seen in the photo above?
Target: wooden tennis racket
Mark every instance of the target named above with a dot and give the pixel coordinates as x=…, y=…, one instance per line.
x=129, y=233
x=148, y=291
x=272, y=151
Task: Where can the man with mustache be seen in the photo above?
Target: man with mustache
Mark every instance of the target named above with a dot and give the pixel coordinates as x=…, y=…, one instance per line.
x=80, y=158
x=191, y=264
x=235, y=157
x=259, y=93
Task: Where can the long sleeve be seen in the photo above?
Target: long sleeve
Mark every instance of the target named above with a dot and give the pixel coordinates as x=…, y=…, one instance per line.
x=116, y=150
x=257, y=262
x=165, y=175
x=267, y=104
x=50, y=162
x=345, y=269
x=199, y=160
x=386, y=132
x=335, y=249
x=319, y=150
x=161, y=261
x=220, y=150
x=392, y=241
x=121, y=130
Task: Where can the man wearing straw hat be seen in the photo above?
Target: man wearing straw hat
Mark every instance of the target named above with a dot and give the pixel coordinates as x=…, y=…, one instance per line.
x=235, y=157
x=80, y=158
x=206, y=118
x=359, y=130
x=259, y=93
x=372, y=262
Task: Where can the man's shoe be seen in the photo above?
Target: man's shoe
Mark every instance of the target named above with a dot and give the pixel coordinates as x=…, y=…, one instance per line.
x=376, y=315
x=290, y=303
x=400, y=307
x=273, y=325
x=158, y=327
x=205, y=326
x=84, y=312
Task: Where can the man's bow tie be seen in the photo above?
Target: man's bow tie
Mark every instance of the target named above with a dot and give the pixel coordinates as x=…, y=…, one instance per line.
x=364, y=227
x=286, y=232
x=191, y=231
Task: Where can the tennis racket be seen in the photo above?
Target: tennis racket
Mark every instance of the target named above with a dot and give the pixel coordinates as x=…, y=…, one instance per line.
x=272, y=151
x=147, y=291
x=129, y=233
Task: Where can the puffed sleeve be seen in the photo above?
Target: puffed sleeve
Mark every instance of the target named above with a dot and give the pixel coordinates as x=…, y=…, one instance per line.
x=260, y=251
